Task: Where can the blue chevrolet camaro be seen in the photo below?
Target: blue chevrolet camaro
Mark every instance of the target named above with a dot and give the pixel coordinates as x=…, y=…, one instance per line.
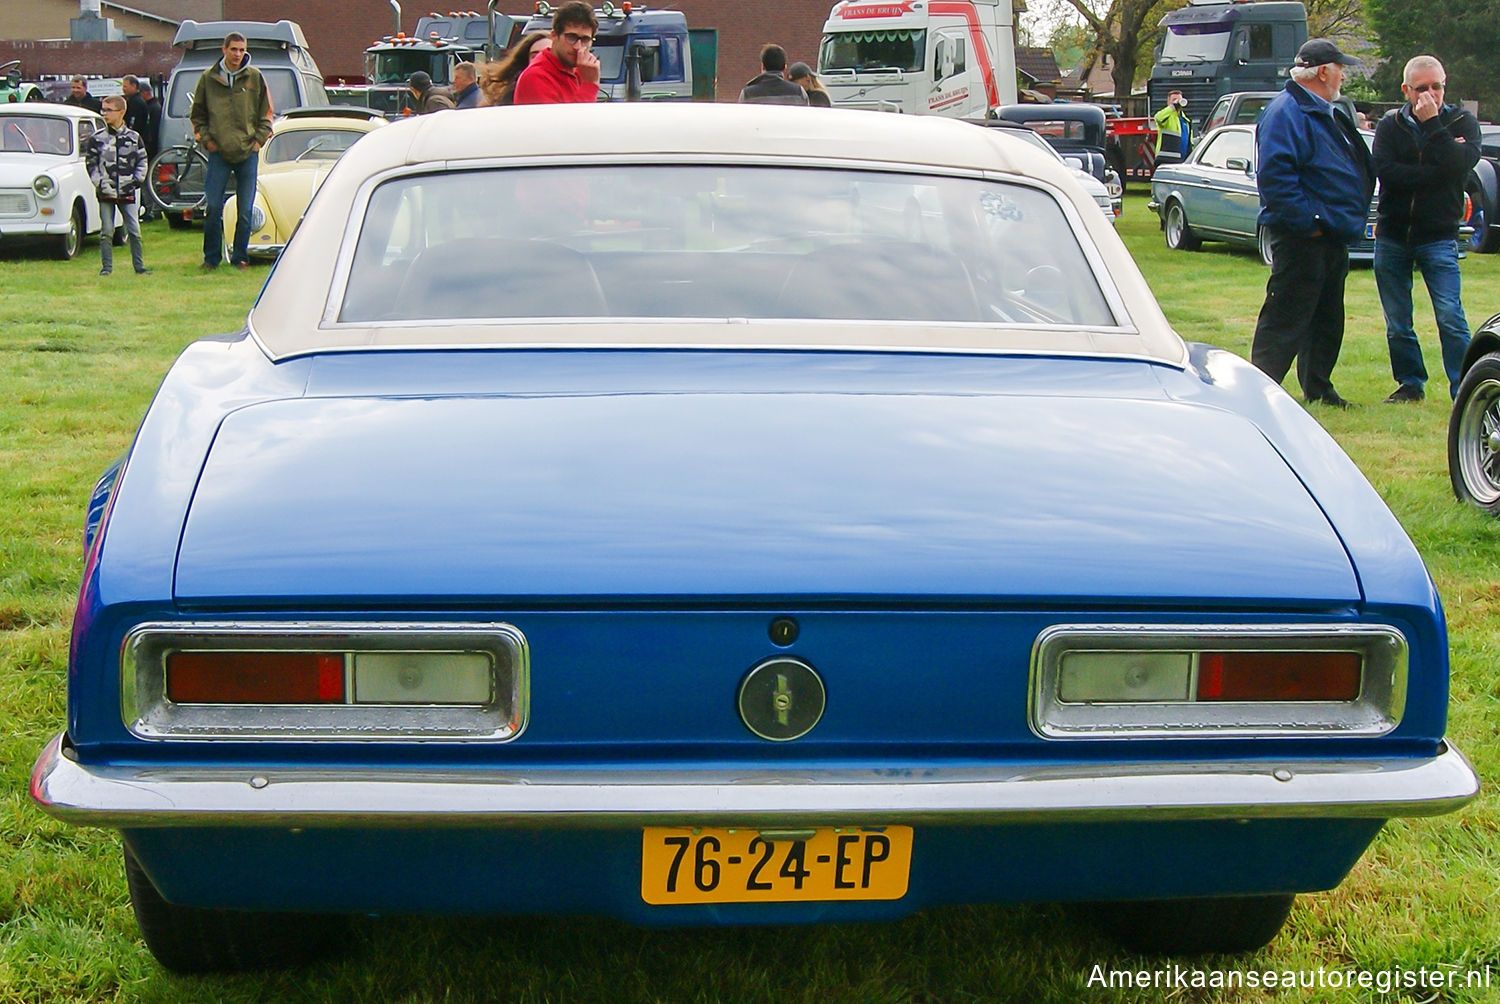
x=622, y=510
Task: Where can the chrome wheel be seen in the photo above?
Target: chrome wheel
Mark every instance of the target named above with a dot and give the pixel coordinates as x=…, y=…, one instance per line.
x=1180, y=236
x=1263, y=241
x=1474, y=436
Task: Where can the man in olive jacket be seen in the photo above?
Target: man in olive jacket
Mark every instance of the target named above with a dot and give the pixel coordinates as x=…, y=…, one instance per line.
x=231, y=117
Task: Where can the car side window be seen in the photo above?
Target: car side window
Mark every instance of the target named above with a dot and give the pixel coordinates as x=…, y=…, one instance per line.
x=1225, y=146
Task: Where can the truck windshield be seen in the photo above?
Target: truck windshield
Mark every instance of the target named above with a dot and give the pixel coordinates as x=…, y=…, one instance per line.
x=873, y=50
x=396, y=67
x=1196, y=42
x=611, y=53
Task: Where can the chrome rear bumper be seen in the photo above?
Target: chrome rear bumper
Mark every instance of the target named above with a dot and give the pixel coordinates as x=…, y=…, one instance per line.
x=136, y=796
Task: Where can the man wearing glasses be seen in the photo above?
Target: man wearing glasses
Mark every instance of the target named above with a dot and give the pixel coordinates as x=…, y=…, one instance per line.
x=1423, y=152
x=568, y=71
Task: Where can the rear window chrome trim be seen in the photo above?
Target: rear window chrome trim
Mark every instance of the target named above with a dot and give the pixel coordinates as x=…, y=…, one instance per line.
x=344, y=263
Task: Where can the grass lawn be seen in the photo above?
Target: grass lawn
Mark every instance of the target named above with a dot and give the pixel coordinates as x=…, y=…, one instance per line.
x=80, y=357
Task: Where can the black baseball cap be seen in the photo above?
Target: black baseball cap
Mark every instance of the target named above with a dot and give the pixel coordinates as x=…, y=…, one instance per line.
x=421, y=80
x=1318, y=51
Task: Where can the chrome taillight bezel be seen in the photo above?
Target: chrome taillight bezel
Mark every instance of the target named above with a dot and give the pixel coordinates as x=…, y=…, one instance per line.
x=149, y=713
x=1376, y=710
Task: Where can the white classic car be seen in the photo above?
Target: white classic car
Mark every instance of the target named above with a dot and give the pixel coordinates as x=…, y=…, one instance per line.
x=44, y=184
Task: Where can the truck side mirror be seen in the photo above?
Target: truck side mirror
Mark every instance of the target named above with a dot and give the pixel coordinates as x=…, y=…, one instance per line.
x=650, y=63
x=1242, y=50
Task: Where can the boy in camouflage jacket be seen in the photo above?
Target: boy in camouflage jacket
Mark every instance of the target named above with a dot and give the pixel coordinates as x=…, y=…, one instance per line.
x=116, y=159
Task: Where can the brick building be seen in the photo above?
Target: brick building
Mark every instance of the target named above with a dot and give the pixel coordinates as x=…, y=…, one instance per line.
x=339, y=32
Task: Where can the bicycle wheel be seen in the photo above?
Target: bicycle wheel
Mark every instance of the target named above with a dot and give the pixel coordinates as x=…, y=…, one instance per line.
x=176, y=178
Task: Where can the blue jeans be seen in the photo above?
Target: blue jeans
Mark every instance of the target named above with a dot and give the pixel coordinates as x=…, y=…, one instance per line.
x=216, y=185
x=1438, y=260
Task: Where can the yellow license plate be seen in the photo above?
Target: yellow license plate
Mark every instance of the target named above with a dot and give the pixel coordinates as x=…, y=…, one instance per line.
x=708, y=865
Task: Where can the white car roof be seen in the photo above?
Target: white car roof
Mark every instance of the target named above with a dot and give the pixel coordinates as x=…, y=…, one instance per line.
x=293, y=315
x=48, y=109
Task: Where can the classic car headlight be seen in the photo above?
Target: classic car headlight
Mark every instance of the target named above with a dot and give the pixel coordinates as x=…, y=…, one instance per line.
x=44, y=186
x=324, y=681
x=257, y=217
x=1095, y=682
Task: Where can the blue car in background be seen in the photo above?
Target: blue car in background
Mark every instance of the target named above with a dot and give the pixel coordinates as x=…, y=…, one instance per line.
x=624, y=511
x=1212, y=196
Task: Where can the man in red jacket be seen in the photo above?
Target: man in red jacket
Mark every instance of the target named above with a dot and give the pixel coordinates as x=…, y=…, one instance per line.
x=569, y=70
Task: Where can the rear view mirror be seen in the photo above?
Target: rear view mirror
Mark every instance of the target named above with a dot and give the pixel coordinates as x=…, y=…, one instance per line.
x=650, y=61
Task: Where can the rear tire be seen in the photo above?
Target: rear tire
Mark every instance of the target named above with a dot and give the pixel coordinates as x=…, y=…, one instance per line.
x=1474, y=436
x=188, y=939
x=1263, y=244
x=1180, y=236
x=1224, y=924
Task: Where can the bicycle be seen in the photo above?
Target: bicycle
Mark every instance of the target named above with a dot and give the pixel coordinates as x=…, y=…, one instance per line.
x=176, y=183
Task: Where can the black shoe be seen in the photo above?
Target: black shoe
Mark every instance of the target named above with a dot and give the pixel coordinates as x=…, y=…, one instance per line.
x=1406, y=392
x=1331, y=399
x=143, y=271
x=209, y=266
x=104, y=271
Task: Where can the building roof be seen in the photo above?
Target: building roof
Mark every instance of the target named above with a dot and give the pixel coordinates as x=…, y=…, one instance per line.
x=1038, y=63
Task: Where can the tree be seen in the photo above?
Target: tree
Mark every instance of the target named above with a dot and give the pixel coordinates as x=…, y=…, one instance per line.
x=1336, y=19
x=1123, y=33
x=1463, y=34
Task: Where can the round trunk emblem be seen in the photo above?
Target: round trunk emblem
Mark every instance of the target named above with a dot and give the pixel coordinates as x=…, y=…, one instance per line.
x=782, y=699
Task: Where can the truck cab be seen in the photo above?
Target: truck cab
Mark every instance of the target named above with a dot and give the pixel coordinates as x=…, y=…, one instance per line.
x=391, y=61
x=489, y=34
x=920, y=57
x=644, y=54
x=1211, y=48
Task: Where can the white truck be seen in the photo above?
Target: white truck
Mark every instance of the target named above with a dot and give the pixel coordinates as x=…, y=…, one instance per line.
x=921, y=57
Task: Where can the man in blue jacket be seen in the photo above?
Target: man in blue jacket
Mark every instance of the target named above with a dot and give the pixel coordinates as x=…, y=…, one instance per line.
x=1423, y=153
x=1315, y=179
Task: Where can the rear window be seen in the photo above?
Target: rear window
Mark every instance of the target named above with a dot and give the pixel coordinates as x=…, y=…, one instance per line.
x=281, y=82
x=309, y=144
x=718, y=242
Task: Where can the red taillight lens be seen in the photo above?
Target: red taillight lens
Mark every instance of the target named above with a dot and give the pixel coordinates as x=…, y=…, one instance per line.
x=255, y=678
x=1278, y=676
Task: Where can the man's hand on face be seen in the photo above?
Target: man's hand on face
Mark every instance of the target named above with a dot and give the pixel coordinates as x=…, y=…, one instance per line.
x=588, y=67
x=1427, y=105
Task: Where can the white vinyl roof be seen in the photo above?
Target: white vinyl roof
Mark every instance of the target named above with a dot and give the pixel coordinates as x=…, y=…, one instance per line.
x=292, y=316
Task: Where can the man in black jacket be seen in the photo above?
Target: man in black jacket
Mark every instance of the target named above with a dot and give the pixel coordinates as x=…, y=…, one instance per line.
x=1423, y=154
x=772, y=87
x=135, y=105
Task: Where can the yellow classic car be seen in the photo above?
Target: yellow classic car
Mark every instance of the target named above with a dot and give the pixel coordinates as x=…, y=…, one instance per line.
x=304, y=145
